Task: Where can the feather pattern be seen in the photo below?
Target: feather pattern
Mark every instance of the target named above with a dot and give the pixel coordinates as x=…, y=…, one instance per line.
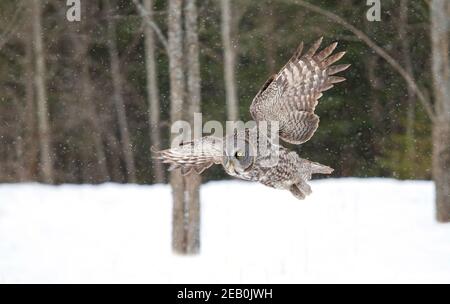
x=293, y=94
x=194, y=156
x=290, y=98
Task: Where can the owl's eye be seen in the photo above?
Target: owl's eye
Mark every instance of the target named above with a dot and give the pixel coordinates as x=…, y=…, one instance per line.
x=239, y=155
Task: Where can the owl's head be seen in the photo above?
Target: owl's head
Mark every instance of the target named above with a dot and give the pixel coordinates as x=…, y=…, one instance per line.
x=239, y=157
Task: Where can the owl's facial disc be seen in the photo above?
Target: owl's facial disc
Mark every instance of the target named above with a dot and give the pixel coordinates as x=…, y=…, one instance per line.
x=239, y=157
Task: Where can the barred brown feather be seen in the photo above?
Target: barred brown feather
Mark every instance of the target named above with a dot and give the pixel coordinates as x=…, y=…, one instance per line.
x=194, y=156
x=292, y=95
x=290, y=98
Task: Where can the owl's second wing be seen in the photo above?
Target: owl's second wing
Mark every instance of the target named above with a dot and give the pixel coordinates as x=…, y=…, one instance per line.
x=194, y=156
x=291, y=96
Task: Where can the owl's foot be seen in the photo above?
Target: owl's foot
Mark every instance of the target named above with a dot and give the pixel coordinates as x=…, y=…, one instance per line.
x=300, y=190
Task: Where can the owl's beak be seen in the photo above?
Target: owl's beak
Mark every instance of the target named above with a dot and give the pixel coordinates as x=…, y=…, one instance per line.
x=229, y=166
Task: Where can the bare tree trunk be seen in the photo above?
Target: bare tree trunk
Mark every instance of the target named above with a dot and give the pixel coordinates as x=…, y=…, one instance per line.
x=440, y=27
x=41, y=90
x=114, y=149
x=118, y=98
x=96, y=134
x=177, y=91
x=88, y=103
x=152, y=91
x=31, y=153
x=411, y=102
x=20, y=165
x=193, y=180
x=376, y=108
x=229, y=62
x=19, y=168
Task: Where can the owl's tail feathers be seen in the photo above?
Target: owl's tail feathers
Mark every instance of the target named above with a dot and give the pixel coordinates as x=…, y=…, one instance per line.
x=317, y=168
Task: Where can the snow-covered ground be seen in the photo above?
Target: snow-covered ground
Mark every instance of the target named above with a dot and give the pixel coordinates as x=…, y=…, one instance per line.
x=349, y=230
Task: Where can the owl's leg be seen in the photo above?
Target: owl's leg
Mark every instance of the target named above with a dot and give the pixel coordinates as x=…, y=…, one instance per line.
x=297, y=192
x=300, y=190
x=302, y=185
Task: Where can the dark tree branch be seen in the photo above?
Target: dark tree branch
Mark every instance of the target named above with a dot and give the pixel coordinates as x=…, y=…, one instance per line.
x=144, y=14
x=377, y=49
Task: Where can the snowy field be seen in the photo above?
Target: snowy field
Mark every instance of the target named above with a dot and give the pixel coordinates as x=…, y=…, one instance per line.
x=349, y=230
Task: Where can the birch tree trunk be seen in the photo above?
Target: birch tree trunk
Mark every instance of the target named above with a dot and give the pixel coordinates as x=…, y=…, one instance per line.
x=229, y=54
x=152, y=91
x=31, y=153
x=118, y=98
x=193, y=180
x=440, y=27
x=41, y=92
x=177, y=91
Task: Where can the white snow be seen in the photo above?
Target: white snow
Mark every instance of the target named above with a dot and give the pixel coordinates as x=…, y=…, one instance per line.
x=348, y=230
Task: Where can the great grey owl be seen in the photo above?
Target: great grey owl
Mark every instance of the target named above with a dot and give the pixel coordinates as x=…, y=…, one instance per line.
x=288, y=99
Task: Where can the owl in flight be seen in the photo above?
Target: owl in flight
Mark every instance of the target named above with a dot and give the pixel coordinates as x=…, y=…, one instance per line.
x=287, y=98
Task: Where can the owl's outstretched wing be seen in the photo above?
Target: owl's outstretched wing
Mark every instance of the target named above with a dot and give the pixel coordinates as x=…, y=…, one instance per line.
x=291, y=96
x=194, y=156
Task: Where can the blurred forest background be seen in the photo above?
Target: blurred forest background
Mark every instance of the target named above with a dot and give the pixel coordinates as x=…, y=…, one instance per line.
x=83, y=101
x=371, y=125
